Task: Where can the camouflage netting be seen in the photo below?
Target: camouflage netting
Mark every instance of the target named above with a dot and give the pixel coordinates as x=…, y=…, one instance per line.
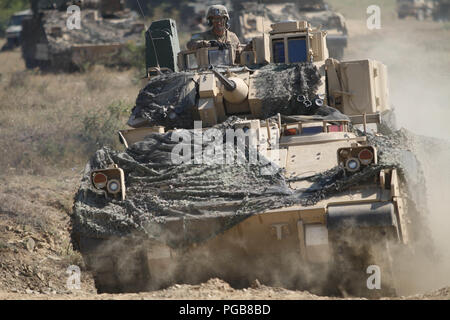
x=175, y=199
x=47, y=42
x=279, y=87
x=315, y=12
x=185, y=203
x=93, y=31
x=169, y=100
x=394, y=151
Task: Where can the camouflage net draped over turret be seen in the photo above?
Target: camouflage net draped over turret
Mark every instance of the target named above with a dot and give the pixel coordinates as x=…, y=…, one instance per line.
x=169, y=100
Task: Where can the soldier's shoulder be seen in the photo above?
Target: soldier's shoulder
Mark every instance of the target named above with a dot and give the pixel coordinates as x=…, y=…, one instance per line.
x=233, y=35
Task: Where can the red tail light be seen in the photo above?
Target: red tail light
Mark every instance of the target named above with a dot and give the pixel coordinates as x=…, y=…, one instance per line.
x=365, y=156
x=100, y=180
x=336, y=128
x=290, y=132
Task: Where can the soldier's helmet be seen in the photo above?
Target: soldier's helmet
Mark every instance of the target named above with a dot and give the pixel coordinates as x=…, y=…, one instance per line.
x=217, y=10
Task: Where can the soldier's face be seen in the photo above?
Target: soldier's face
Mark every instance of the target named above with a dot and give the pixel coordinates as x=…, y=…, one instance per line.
x=218, y=23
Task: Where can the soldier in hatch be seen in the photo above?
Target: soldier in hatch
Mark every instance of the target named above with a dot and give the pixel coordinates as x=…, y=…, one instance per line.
x=219, y=35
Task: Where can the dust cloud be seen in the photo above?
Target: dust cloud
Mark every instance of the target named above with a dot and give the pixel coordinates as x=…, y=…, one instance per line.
x=418, y=60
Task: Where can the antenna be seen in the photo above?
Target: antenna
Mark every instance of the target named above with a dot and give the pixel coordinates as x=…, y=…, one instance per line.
x=150, y=34
x=142, y=12
x=263, y=16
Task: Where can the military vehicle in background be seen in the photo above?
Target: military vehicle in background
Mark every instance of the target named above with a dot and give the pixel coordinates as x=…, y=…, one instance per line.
x=14, y=29
x=320, y=15
x=107, y=28
x=251, y=19
x=323, y=202
x=420, y=9
x=441, y=10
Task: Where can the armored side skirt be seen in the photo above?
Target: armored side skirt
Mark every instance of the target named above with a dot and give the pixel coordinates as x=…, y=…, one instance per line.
x=378, y=214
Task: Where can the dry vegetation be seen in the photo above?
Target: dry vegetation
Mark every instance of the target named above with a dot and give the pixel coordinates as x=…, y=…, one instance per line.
x=50, y=125
x=52, y=121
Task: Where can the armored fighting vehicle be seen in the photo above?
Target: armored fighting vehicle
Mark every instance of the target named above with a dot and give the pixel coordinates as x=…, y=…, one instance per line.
x=420, y=9
x=441, y=10
x=251, y=19
x=53, y=40
x=273, y=168
x=14, y=30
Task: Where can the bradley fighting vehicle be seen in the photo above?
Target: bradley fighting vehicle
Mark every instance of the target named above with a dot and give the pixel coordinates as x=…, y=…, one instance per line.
x=251, y=19
x=52, y=40
x=420, y=9
x=319, y=205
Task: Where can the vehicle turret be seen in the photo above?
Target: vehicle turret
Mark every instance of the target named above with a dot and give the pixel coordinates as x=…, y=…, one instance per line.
x=291, y=43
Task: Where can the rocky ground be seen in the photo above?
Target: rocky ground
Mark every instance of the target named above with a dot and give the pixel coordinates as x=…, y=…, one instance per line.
x=35, y=250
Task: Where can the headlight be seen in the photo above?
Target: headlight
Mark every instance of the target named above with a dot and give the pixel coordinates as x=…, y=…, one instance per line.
x=352, y=164
x=357, y=157
x=113, y=186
